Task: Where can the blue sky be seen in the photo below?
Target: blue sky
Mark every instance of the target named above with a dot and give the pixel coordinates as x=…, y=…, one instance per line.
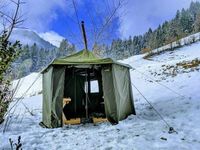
x=56, y=19
x=92, y=13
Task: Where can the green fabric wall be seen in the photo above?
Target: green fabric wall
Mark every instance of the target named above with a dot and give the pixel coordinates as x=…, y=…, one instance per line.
x=53, y=88
x=122, y=91
x=47, y=88
x=109, y=97
x=131, y=93
x=58, y=94
x=117, y=93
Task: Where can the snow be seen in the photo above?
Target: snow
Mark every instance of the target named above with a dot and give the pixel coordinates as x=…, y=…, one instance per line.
x=52, y=37
x=144, y=131
x=30, y=37
x=34, y=80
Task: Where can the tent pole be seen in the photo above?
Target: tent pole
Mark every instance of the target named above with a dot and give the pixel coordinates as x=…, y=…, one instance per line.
x=89, y=87
x=86, y=96
x=74, y=90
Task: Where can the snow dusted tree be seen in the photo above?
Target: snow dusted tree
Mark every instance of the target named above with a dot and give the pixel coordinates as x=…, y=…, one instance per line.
x=66, y=48
x=97, y=50
x=71, y=49
x=8, y=52
x=197, y=23
x=100, y=50
x=186, y=22
x=35, y=57
x=63, y=47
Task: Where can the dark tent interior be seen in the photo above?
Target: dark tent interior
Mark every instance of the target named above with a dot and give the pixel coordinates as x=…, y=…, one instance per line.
x=79, y=87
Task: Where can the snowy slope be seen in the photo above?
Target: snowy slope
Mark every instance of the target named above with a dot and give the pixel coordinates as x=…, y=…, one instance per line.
x=180, y=43
x=52, y=37
x=30, y=37
x=145, y=131
x=34, y=81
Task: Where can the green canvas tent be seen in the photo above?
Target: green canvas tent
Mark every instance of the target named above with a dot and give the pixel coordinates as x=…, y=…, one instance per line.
x=72, y=76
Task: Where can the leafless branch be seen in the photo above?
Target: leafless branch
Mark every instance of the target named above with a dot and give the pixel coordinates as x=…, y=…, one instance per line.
x=13, y=20
x=5, y=15
x=108, y=20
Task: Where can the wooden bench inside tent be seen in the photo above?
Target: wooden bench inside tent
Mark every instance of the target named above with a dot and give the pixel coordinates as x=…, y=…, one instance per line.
x=70, y=121
x=74, y=121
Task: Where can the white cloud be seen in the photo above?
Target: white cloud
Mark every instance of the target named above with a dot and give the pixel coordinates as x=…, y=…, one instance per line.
x=52, y=37
x=41, y=13
x=38, y=14
x=140, y=15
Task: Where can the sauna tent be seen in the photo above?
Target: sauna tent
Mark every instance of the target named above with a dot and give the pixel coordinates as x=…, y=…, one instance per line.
x=68, y=77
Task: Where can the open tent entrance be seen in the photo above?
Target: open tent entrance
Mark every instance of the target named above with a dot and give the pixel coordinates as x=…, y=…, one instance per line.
x=68, y=89
x=84, y=87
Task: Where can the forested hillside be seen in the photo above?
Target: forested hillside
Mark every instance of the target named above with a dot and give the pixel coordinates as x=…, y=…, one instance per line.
x=28, y=37
x=34, y=58
x=186, y=22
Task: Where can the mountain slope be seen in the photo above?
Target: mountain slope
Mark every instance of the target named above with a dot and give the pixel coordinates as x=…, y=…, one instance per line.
x=30, y=37
x=180, y=107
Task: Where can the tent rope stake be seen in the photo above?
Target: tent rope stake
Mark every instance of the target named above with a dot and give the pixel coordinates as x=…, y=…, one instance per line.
x=171, y=129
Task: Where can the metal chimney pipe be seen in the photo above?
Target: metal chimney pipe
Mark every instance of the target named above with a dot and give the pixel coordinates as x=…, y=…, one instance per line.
x=84, y=35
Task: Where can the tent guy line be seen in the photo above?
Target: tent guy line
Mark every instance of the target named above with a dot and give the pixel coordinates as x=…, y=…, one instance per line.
x=171, y=129
x=17, y=101
x=173, y=91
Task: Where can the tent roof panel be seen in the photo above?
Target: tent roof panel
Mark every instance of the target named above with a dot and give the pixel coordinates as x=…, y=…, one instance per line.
x=83, y=57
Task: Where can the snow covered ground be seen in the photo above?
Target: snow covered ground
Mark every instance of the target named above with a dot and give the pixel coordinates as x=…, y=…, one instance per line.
x=145, y=131
x=22, y=85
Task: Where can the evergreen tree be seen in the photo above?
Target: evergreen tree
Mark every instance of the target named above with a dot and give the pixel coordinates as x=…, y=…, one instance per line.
x=8, y=53
x=63, y=48
x=197, y=23
x=186, y=22
x=34, y=57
